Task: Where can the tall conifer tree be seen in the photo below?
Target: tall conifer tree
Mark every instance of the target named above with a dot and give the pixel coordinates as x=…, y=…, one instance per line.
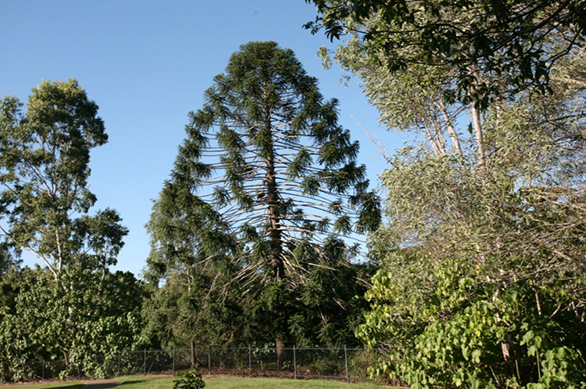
x=265, y=176
x=266, y=160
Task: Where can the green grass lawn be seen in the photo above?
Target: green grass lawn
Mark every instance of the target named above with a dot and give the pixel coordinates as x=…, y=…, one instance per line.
x=57, y=385
x=223, y=382
x=212, y=382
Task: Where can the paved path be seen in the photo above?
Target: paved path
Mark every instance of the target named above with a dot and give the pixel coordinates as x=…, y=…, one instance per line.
x=105, y=384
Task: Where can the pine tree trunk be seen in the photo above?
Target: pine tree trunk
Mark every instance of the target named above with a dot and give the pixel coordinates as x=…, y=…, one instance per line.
x=279, y=353
x=273, y=203
x=192, y=352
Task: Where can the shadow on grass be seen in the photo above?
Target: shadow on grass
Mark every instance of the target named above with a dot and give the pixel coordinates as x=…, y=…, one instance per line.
x=133, y=382
x=101, y=385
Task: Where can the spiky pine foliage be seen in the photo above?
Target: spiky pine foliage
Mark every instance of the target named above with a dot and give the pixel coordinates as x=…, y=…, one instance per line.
x=267, y=172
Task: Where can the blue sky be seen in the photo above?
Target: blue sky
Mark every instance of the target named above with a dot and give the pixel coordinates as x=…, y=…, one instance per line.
x=147, y=64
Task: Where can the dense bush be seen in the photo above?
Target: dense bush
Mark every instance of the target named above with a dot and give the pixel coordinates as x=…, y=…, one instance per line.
x=189, y=380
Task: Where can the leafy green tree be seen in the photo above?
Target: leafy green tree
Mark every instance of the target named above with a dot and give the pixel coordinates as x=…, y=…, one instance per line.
x=482, y=279
x=44, y=171
x=51, y=321
x=477, y=40
x=265, y=178
x=73, y=307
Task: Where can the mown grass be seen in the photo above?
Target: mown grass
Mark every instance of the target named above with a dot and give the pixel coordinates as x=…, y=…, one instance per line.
x=223, y=382
x=212, y=382
x=57, y=385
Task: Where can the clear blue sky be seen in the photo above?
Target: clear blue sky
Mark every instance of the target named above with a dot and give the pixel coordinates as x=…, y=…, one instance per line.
x=147, y=64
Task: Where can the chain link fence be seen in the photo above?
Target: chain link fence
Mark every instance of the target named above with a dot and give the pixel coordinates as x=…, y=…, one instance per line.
x=344, y=364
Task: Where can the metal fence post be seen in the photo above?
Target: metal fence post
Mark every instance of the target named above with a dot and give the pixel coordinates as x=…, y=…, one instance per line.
x=346, y=363
x=261, y=360
x=249, y=361
x=294, y=362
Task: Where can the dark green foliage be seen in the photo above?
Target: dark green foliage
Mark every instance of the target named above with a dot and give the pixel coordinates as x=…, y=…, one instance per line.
x=8, y=259
x=264, y=189
x=10, y=285
x=72, y=319
x=195, y=308
x=189, y=380
x=480, y=40
x=73, y=308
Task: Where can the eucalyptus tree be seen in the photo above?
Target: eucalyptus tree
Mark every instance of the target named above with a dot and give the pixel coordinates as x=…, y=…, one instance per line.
x=481, y=279
x=413, y=100
x=43, y=176
x=483, y=266
x=72, y=306
x=425, y=64
x=477, y=40
x=266, y=177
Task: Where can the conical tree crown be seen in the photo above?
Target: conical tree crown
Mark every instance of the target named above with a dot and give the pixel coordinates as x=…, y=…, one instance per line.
x=265, y=155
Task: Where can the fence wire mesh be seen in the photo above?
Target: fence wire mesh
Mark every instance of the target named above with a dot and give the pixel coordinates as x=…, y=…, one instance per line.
x=344, y=364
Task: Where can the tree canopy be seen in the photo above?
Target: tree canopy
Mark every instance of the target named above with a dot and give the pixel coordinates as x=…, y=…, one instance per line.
x=43, y=175
x=479, y=41
x=266, y=161
x=266, y=181
x=73, y=307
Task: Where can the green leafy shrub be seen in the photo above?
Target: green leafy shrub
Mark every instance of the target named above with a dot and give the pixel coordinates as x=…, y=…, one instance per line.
x=189, y=380
x=482, y=275
x=512, y=341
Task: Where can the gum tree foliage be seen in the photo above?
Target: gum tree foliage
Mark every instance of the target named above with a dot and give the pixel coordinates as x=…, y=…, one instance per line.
x=7, y=258
x=65, y=309
x=43, y=177
x=266, y=179
x=421, y=85
x=477, y=40
x=482, y=278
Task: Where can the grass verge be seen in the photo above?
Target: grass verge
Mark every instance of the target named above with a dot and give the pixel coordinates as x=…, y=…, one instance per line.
x=229, y=382
x=55, y=385
x=212, y=382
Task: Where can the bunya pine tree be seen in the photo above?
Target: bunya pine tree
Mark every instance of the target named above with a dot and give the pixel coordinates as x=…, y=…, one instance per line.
x=267, y=179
